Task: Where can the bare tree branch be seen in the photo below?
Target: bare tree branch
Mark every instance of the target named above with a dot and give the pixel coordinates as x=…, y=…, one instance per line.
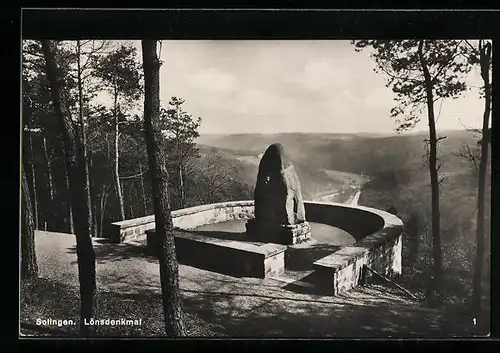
x=133, y=176
x=468, y=154
x=472, y=47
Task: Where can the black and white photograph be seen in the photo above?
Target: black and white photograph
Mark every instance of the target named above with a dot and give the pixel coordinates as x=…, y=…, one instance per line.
x=255, y=188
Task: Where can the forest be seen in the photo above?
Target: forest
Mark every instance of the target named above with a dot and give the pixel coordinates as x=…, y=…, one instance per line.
x=113, y=139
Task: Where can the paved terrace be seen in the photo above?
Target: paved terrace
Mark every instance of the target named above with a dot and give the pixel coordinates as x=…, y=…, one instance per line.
x=279, y=307
x=299, y=258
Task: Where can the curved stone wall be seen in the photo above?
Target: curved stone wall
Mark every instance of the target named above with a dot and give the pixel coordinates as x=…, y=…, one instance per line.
x=378, y=244
x=356, y=220
x=378, y=236
x=192, y=217
x=186, y=218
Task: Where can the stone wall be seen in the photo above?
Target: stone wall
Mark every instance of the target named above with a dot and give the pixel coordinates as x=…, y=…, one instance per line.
x=342, y=216
x=378, y=247
x=378, y=237
x=356, y=220
x=186, y=218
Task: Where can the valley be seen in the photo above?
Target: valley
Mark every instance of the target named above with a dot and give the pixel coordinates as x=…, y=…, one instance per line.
x=334, y=167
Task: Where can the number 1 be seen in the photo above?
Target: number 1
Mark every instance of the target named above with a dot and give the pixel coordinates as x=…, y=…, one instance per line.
x=474, y=321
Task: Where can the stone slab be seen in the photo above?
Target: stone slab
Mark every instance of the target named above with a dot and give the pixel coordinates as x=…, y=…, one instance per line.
x=240, y=259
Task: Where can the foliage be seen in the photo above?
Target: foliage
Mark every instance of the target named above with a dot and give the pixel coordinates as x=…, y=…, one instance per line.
x=121, y=75
x=411, y=197
x=98, y=61
x=399, y=61
x=217, y=179
x=180, y=130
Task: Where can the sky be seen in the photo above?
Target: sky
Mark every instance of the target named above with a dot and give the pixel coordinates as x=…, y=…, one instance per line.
x=270, y=86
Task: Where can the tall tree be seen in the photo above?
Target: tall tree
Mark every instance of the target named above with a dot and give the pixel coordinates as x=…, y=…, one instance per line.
x=70, y=207
x=143, y=191
x=33, y=179
x=29, y=266
x=119, y=71
x=48, y=155
x=433, y=167
x=482, y=55
x=169, y=269
x=180, y=130
x=38, y=116
x=87, y=54
x=74, y=160
x=99, y=130
x=34, y=96
x=420, y=72
x=133, y=145
x=83, y=137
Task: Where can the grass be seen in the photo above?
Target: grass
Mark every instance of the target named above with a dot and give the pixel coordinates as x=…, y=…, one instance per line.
x=43, y=299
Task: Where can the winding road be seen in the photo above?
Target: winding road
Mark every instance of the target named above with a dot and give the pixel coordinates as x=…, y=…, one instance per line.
x=355, y=198
x=331, y=197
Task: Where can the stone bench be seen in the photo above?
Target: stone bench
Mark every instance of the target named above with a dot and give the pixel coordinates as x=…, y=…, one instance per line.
x=235, y=258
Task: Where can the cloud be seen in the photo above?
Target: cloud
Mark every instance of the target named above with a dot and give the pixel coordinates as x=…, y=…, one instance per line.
x=272, y=86
x=323, y=75
x=211, y=79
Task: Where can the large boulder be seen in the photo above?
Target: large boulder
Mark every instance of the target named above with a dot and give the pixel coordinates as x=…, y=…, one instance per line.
x=278, y=196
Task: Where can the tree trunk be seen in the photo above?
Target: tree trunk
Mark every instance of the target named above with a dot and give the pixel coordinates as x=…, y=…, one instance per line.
x=33, y=181
x=144, y=200
x=181, y=186
x=93, y=202
x=29, y=267
x=179, y=161
x=104, y=200
x=116, y=155
x=101, y=213
x=169, y=269
x=130, y=198
x=116, y=163
x=105, y=191
x=84, y=249
x=68, y=191
x=433, y=171
x=118, y=184
x=49, y=213
x=83, y=139
x=485, y=54
x=122, y=188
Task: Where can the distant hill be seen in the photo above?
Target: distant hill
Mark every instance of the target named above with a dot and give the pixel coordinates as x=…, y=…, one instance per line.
x=353, y=153
x=314, y=181
x=259, y=142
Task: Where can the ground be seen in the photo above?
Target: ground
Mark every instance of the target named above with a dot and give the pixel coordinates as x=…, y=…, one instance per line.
x=229, y=306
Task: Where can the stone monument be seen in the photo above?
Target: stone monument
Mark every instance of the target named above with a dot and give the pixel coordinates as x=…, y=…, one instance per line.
x=279, y=209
